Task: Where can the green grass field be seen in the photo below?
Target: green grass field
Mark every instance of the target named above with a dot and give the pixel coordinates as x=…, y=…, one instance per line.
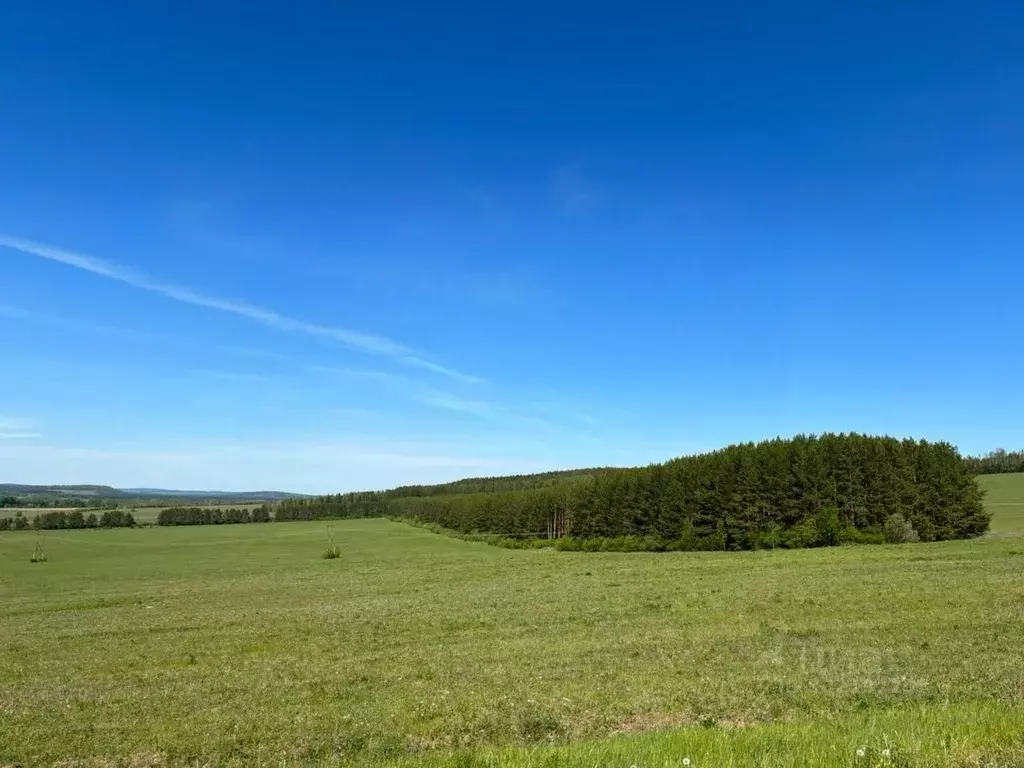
x=1004, y=496
x=239, y=645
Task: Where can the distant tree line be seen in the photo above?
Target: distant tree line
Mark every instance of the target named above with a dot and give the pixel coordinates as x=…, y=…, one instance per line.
x=377, y=503
x=17, y=523
x=358, y=504
x=997, y=462
x=497, y=484
x=111, y=518
x=212, y=516
x=806, y=491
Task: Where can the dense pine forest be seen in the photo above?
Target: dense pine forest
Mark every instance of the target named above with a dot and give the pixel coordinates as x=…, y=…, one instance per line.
x=806, y=491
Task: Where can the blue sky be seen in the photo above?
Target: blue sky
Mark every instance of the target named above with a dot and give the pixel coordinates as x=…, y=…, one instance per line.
x=320, y=247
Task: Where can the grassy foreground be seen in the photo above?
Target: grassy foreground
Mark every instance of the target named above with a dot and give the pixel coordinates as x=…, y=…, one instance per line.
x=238, y=645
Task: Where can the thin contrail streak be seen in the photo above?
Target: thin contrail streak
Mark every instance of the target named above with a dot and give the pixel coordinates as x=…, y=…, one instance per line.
x=365, y=342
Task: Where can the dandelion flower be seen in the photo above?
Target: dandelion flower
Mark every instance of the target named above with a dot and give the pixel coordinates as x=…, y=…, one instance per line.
x=860, y=753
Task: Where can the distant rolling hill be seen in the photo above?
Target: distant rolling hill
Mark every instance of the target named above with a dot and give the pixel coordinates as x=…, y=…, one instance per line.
x=240, y=495
x=104, y=491
x=108, y=492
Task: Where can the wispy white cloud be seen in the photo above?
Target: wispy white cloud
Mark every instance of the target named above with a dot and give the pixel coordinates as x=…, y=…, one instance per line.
x=206, y=220
x=453, y=402
x=559, y=409
x=258, y=354
x=79, y=326
x=427, y=365
x=492, y=209
x=414, y=389
x=574, y=194
x=439, y=398
x=355, y=413
x=232, y=375
x=12, y=428
x=15, y=312
x=490, y=290
x=76, y=325
x=364, y=342
x=388, y=379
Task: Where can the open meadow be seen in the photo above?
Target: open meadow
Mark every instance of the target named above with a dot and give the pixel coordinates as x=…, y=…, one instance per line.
x=239, y=645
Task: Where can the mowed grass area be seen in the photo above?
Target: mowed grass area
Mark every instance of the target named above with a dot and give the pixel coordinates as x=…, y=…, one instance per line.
x=239, y=645
x=1004, y=496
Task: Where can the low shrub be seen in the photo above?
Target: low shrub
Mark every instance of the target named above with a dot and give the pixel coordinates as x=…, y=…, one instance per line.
x=332, y=553
x=770, y=539
x=799, y=536
x=851, y=535
x=828, y=527
x=924, y=526
x=898, y=530
x=117, y=518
